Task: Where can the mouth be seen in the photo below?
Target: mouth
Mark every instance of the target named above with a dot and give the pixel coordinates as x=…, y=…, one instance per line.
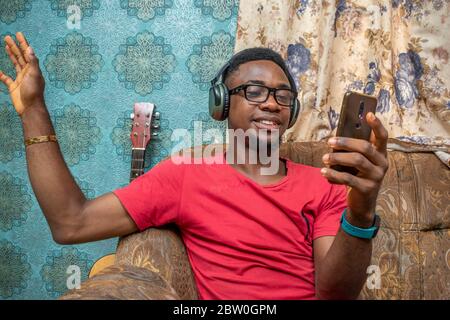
x=268, y=124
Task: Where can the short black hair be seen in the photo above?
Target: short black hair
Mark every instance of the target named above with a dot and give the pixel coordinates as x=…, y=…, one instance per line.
x=258, y=53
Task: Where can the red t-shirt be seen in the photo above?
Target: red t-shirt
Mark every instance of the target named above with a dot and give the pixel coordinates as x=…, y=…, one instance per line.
x=244, y=240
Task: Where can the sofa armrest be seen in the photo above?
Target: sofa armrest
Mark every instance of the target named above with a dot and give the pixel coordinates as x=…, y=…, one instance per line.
x=162, y=251
x=123, y=282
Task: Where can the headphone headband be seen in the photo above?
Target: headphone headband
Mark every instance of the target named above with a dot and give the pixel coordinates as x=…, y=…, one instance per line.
x=219, y=75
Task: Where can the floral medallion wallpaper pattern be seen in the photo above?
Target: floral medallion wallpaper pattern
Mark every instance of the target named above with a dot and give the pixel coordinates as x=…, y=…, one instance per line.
x=146, y=9
x=11, y=132
x=201, y=123
x=208, y=58
x=14, y=268
x=13, y=9
x=144, y=63
x=73, y=63
x=15, y=201
x=221, y=10
x=86, y=7
x=125, y=51
x=77, y=131
x=54, y=271
x=395, y=50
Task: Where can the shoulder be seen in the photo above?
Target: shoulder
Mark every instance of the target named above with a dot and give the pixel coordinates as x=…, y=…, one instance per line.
x=166, y=168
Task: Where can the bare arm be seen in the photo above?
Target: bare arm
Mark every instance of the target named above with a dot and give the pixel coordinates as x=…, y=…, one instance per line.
x=341, y=262
x=71, y=217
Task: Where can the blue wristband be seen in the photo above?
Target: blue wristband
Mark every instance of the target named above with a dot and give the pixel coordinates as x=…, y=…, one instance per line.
x=364, y=233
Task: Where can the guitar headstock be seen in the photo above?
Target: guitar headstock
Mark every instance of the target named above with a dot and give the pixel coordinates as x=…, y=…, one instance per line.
x=145, y=118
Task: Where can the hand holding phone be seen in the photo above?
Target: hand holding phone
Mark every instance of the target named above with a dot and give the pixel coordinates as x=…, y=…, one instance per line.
x=353, y=123
x=359, y=157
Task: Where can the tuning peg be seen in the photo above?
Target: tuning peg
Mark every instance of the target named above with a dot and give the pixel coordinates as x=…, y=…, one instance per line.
x=154, y=134
x=156, y=115
x=155, y=126
x=132, y=115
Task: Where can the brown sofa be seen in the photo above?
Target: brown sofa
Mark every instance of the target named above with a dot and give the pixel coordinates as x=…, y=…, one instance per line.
x=412, y=249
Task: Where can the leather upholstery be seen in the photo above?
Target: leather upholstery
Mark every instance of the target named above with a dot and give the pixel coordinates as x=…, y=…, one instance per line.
x=412, y=249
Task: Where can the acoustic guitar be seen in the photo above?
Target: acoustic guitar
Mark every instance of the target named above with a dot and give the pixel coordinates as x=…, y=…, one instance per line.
x=144, y=119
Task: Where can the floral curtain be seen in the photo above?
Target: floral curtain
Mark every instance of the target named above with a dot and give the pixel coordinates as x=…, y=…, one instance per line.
x=395, y=50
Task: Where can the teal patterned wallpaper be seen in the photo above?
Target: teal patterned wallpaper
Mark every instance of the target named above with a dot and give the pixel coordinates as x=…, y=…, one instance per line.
x=125, y=51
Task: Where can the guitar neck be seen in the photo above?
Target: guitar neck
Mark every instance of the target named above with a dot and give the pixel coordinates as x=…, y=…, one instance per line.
x=137, y=163
x=142, y=116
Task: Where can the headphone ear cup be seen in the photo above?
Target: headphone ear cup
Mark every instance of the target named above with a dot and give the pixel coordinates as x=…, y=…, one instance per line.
x=226, y=102
x=294, y=113
x=219, y=102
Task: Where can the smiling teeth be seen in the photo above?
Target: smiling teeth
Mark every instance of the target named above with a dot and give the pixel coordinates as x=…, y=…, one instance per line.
x=267, y=122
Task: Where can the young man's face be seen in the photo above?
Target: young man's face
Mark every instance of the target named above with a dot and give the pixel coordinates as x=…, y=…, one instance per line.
x=267, y=115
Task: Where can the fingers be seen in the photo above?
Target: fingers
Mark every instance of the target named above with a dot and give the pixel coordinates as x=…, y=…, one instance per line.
x=361, y=146
x=380, y=134
x=13, y=59
x=5, y=79
x=15, y=51
x=356, y=160
x=32, y=57
x=365, y=186
x=23, y=44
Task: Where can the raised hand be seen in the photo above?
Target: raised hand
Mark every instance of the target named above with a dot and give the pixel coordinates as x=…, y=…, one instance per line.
x=27, y=90
x=370, y=158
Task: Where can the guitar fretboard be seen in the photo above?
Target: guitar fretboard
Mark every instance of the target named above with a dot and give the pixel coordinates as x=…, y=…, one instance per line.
x=137, y=163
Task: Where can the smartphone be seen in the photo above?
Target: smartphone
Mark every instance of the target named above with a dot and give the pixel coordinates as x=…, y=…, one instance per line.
x=352, y=121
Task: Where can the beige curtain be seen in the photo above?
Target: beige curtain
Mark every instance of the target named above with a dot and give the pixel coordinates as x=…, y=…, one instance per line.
x=396, y=50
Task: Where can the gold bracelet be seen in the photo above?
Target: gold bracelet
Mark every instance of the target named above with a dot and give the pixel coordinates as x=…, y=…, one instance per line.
x=40, y=139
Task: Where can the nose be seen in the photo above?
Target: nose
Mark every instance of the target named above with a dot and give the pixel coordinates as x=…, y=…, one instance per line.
x=271, y=104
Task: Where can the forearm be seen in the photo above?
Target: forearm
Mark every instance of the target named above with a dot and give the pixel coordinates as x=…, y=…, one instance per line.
x=342, y=273
x=58, y=195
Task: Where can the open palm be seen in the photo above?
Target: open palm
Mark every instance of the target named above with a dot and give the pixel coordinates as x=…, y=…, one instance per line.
x=27, y=89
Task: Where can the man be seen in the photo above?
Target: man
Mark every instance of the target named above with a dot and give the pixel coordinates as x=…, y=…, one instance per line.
x=248, y=235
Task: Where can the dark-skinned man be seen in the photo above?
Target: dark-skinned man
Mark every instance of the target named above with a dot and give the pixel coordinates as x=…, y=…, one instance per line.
x=248, y=235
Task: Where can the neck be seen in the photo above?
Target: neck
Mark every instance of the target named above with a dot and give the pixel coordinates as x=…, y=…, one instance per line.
x=255, y=161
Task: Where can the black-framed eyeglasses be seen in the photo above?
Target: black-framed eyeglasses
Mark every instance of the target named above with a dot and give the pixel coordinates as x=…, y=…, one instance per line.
x=260, y=93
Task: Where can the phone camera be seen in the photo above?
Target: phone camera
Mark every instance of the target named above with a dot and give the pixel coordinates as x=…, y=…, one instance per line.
x=361, y=107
